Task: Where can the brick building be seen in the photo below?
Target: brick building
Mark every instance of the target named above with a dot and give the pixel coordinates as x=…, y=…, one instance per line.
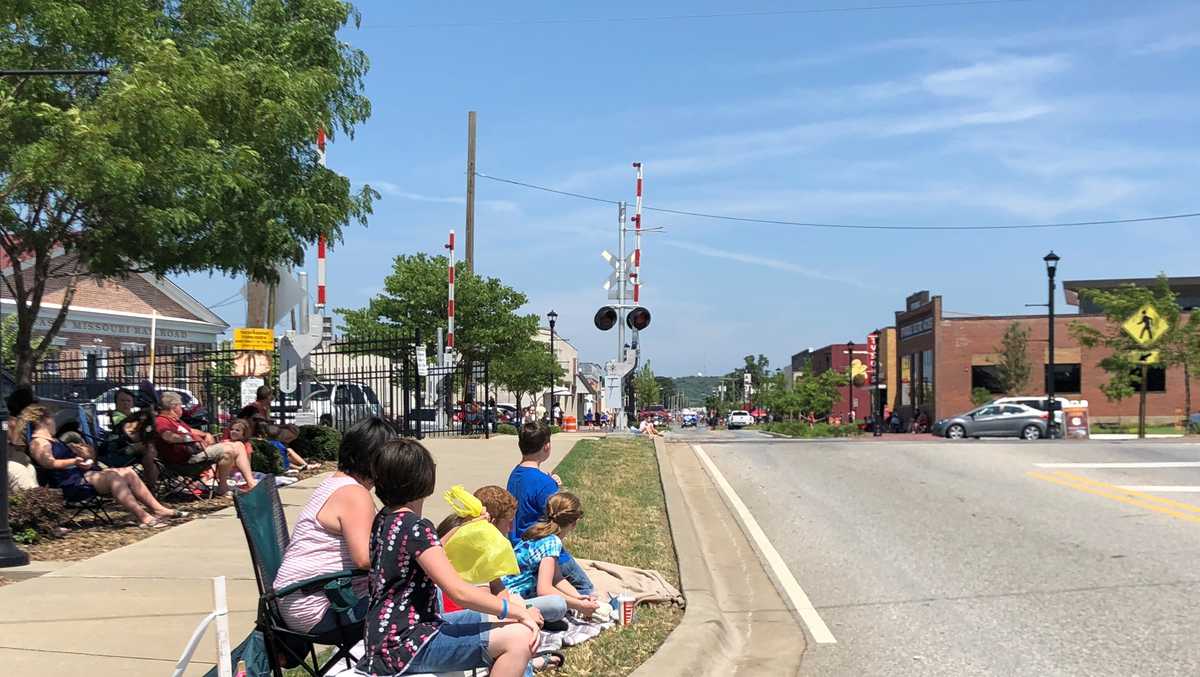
x=942, y=359
x=108, y=324
x=836, y=357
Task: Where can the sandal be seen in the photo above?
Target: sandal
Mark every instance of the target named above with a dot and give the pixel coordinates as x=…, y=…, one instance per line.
x=550, y=660
x=177, y=514
x=154, y=523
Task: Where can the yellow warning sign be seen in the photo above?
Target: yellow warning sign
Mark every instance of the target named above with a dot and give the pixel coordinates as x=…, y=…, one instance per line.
x=1144, y=356
x=1146, y=326
x=250, y=338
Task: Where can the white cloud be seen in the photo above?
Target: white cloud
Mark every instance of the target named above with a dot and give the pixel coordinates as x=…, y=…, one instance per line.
x=394, y=190
x=762, y=261
x=1170, y=44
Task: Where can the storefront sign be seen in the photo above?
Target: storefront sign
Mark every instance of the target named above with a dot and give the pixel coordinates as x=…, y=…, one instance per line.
x=118, y=329
x=872, y=356
x=917, y=328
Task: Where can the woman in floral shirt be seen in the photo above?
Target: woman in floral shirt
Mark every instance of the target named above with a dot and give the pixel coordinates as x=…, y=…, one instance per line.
x=405, y=634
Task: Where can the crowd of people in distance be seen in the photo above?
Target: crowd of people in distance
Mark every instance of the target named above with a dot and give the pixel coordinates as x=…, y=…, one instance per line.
x=125, y=461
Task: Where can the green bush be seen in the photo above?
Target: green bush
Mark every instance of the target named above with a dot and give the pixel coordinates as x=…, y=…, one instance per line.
x=265, y=458
x=509, y=429
x=819, y=430
x=34, y=513
x=26, y=537
x=318, y=443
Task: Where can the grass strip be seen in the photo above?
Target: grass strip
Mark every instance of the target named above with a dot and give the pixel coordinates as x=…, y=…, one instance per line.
x=625, y=522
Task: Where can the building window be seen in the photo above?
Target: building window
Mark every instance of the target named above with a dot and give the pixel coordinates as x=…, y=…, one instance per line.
x=95, y=360
x=1067, y=378
x=1156, y=380
x=181, y=366
x=130, y=353
x=986, y=377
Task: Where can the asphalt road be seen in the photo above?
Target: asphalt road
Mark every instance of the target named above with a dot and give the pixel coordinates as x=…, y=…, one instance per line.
x=935, y=558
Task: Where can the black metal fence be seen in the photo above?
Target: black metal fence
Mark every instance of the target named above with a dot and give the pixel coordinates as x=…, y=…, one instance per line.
x=345, y=380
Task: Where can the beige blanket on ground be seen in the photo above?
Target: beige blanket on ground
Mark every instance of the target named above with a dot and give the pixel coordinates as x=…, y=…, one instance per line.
x=646, y=585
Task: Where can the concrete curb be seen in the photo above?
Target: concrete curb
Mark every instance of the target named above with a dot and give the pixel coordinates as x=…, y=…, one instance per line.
x=708, y=640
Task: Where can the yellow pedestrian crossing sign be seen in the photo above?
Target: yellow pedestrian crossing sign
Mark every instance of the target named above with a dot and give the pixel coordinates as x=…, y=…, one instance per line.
x=1141, y=357
x=1146, y=326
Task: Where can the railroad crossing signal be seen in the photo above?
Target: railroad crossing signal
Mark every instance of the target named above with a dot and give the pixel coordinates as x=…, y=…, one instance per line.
x=1146, y=326
x=1141, y=357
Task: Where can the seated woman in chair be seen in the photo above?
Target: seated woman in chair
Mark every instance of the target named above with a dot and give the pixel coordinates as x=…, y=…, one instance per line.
x=129, y=442
x=179, y=444
x=333, y=532
x=72, y=468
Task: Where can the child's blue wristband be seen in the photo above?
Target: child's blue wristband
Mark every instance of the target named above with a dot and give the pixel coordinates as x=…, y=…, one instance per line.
x=503, y=609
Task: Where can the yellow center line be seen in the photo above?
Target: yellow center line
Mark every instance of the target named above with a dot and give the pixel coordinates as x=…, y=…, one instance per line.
x=1119, y=496
x=1179, y=505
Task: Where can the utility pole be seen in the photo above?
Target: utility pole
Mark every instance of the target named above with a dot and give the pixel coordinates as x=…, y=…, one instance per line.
x=470, y=259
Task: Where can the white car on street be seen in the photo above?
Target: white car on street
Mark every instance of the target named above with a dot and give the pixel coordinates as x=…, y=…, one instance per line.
x=738, y=419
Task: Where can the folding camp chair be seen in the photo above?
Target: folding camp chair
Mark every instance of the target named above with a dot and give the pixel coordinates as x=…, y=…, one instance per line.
x=262, y=518
x=185, y=479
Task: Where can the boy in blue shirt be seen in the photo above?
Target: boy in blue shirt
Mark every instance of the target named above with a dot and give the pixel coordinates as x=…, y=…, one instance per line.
x=532, y=487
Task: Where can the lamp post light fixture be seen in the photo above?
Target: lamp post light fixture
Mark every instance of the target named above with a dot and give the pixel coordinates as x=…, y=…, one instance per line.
x=553, y=317
x=850, y=381
x=1051, y=260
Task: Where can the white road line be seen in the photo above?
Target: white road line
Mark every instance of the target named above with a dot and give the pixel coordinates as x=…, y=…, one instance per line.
x=800, y=601
x=1148, y=464
x=1164, y=488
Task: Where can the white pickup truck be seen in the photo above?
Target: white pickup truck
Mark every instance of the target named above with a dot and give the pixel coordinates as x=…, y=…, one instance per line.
x=738, y=419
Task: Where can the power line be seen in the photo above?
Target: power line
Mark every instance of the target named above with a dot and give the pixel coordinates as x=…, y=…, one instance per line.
x=713, y=15
x=851, y=226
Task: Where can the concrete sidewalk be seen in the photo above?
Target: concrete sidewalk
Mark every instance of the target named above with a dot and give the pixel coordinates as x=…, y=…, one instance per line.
x=736, y=622
x=129, y=612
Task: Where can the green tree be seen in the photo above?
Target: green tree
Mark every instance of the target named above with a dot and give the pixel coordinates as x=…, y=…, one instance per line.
x=195, y=153
x=1177, y=347
x=816, y=395
x=645, y=387
x=666, y=389
x=1013, y=364
x=526, y=370
x=980, y=396
x=413, y=299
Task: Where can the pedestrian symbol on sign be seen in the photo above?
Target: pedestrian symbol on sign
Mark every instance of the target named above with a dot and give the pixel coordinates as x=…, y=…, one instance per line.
x=1146, y=326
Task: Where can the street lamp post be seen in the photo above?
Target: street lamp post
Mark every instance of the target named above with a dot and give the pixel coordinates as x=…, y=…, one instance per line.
x=553, y=316
x=1051, y=260
x=850, y=381
x=879, y=394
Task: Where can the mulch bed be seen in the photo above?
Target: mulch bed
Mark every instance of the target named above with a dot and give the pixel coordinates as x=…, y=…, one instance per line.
x=91, y=538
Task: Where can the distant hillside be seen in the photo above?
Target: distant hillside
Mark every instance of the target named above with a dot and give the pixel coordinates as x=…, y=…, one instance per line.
x=695, y=388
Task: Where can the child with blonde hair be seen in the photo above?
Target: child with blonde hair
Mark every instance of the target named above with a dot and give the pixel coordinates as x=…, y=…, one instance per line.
x=538, y=554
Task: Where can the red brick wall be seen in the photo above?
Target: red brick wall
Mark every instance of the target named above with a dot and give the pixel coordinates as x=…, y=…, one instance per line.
x=960, y=339
x=834, y=357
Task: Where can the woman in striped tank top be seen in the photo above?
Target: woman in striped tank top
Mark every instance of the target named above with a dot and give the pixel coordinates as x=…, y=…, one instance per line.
x=333, y=532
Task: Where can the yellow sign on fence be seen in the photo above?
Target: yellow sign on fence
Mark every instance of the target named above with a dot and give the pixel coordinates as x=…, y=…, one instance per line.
x=249, y=338
x=1146, y=326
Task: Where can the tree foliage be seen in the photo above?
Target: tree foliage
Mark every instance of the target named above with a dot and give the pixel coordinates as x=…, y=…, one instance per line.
x=1179, y=346
x=1013, y=365
x=526, y=370
x=487, y=323
x=808, y=396
x=645, y=387
x=195, y=153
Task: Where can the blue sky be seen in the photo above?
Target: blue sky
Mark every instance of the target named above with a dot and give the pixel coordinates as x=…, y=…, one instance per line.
x=1024, y=112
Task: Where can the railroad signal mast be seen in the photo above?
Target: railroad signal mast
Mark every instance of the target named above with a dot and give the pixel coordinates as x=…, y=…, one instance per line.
x=626, y=273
